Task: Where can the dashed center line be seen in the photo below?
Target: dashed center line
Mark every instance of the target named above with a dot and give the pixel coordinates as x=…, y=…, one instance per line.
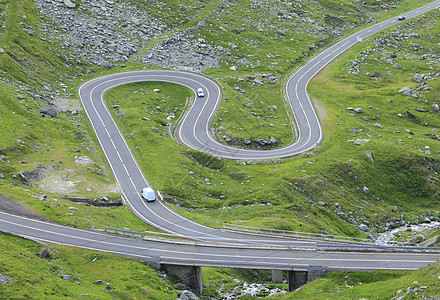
x=119, y=155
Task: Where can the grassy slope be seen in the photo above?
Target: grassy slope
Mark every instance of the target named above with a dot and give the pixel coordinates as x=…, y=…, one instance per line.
x=371, y=285
x=258, y=45
x=130, y=278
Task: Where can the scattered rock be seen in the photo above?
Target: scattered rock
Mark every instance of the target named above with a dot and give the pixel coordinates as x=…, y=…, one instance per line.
x=67, y=277
x=358, y=110
x=69, y=4
x=187, y=295
x=369, y=155
x=83, y=30
x=427, y=150
x=378, y=125
x=410, y=115
x=363, y=227
x=365, y=190
x=359, y=142
x=417, y=78
x=156, y=90
x=409, y=91
x=48, y=112
x=44, y=253
x=83, y=160
x=375, y=75
x=4, y=279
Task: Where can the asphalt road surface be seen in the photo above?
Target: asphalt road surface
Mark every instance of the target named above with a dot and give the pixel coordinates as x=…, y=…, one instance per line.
x=283, y=258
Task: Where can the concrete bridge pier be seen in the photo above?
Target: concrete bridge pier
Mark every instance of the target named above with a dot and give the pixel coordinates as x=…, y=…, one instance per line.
x=191, y=276
x=277, y=276
x=301, y=277
x=297, y=279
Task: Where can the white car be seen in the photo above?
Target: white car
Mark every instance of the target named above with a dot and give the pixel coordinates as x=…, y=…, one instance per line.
x=200, y=92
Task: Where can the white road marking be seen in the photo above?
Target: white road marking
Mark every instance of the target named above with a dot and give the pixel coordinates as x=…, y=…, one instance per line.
x=119, y=155
x=126, y=169
x=114, y=146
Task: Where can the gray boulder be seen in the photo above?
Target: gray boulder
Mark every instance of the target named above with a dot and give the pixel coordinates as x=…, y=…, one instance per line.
x=263, y=142
x=410, y=115
x=48, y=112
x=378, y=125
x=409, y=91
x=363, y=227
x=69, y=4
x=44, y=253
x=187, y=295
x=370, y=156
x=4, y=279
x=359, y=142
x=67, y=277
x=417, y=78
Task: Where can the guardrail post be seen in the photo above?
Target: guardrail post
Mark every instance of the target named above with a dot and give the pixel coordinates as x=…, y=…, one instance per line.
x=297, y=279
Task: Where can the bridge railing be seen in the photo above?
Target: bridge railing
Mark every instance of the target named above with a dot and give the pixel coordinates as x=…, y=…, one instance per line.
x=116, y=230
x=295, y=234
x=204, y=240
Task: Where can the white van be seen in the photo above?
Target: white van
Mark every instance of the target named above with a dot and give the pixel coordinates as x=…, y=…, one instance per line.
x=148, y=194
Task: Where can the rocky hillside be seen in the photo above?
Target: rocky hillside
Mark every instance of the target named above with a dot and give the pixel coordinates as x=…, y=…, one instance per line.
x=104, y=32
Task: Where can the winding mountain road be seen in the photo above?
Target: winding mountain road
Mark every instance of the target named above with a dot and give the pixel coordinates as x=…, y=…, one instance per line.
x=225, y=248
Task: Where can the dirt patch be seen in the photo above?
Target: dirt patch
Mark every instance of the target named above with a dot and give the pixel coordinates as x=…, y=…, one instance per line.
x=72, y=182
x=13, y=207
x=65, y=104
x=30, y=177
x=83, y=160
x=58, y=183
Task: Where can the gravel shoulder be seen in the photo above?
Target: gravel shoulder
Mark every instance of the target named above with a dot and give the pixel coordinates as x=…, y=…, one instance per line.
x=10, y=206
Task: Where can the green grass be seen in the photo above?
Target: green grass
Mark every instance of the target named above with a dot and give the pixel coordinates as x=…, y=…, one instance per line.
x=131, y=279
x=371, y=285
